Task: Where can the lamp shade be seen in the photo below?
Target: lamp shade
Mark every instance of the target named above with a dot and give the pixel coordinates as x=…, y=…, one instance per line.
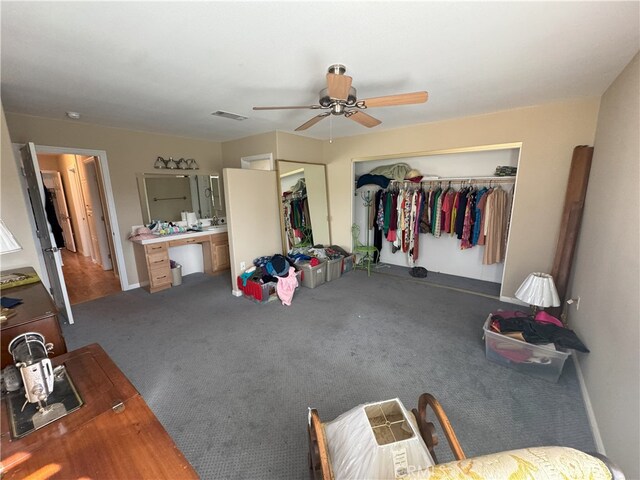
x=8, y=243
x=539, y=289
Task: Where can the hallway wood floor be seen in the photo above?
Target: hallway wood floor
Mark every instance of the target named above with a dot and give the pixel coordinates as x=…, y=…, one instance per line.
x=85, y=280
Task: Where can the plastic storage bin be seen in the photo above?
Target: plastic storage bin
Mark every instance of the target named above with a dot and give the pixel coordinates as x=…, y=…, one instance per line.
x=348, y=263
x=537, y=360
x=313, y=276
x=262, y=292
x=334, y=269
x=258, y=292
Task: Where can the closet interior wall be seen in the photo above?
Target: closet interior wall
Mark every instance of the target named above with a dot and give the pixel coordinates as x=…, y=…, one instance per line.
x=441, y=254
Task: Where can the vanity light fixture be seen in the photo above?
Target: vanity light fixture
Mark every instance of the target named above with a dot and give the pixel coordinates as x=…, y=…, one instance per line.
x=192, y=164
x=73, y=115
x=181, y=164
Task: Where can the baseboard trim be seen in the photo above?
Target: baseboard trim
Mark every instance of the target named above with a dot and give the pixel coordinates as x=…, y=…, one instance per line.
x=131, y=286
x=593, y=423
x=513, y=300
x=236, y=293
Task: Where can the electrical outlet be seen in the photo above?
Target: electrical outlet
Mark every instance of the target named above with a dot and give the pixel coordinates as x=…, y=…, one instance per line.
x=243, y=265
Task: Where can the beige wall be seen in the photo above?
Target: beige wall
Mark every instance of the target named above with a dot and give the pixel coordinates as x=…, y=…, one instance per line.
x=13, y=208
x=284, y=146
x=299, y=149
x=607, y=270
x=234, y=150
x=548, y=134
x=253, y=216
x=128, y=152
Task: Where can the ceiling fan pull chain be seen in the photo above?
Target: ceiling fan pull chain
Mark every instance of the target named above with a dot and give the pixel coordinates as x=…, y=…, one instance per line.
x=330, y=128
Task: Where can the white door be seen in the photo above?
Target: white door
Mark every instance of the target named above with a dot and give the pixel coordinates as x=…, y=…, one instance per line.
x=95, y=215
x=51, y=254
x=53, y=181
x=106, y=220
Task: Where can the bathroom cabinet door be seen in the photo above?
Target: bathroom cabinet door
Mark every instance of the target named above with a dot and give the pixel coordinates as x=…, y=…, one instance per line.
x=221, y=256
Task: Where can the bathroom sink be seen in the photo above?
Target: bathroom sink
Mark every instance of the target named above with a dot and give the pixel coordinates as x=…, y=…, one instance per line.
x=215, y=228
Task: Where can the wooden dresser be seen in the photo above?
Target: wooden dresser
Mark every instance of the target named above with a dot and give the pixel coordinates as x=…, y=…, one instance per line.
x=36, y=313
x=114, y=435
x=152, y=256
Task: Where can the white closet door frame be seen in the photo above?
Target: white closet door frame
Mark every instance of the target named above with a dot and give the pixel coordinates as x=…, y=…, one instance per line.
x=408, y=155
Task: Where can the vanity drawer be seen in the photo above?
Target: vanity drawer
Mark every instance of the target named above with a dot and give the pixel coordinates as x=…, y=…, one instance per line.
x=155, y=247
x=159, y=277
x=184, y=241
x=158, y=260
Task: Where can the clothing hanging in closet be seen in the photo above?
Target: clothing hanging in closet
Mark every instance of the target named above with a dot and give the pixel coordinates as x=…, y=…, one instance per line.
x=474, y=216
x=297, y=219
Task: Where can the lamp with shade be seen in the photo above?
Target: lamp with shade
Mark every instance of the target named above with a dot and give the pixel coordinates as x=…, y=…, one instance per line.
x=8, y=243
x=539, y=291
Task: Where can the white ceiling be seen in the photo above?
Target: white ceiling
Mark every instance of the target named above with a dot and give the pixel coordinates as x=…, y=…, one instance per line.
x=165, y=67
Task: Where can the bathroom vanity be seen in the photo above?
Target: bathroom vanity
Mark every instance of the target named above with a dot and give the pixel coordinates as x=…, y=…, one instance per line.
x=152, y=255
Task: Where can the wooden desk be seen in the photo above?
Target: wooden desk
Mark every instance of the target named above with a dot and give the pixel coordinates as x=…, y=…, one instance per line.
x=95, y=441
x=152, y=256
x=36, y=313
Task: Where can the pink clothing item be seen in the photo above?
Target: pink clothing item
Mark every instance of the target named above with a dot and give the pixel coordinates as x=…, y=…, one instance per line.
x=287, y=286
x=544, y=317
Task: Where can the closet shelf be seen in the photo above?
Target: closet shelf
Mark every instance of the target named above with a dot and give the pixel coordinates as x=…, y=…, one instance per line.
x=493, y=178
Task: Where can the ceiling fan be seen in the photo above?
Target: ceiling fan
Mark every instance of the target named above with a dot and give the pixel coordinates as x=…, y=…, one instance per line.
x=339, y=98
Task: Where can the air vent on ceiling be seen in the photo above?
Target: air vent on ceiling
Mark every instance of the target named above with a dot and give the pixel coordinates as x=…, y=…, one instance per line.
x=229, y=115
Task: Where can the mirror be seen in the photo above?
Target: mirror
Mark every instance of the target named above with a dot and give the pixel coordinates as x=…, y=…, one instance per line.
x=165, y=196
x=304, y=211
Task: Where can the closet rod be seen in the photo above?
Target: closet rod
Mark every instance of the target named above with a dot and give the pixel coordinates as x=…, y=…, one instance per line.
x=505, y=179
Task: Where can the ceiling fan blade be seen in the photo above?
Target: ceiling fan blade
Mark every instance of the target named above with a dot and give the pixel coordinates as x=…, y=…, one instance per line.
x=401, y=99
x=299, y=107
x=363, y=119
x=312, y=122
x=338, y=86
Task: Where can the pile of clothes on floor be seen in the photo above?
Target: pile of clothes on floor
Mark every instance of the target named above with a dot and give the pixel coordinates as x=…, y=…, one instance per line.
x=541, y=329
x=277, y=269
x=315, y=255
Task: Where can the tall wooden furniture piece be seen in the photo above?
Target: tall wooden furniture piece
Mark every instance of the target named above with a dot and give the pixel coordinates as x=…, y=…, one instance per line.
x=113, y=435
x=36, y=313
x=152, y=257
x=571, y=219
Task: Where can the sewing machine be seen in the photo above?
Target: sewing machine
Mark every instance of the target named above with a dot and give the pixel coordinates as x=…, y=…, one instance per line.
x=40, y=394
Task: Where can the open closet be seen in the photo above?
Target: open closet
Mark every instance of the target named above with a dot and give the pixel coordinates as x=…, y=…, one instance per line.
x=422, y=220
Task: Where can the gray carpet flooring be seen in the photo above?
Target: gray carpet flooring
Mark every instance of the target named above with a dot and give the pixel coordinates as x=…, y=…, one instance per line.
x=442, y=279
x=231, y=380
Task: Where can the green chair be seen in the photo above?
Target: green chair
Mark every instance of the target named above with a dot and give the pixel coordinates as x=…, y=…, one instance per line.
x=366, y=252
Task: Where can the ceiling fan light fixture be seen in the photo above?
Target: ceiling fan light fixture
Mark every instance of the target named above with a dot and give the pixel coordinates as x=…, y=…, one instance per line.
x=326, y=101
x=340, y=98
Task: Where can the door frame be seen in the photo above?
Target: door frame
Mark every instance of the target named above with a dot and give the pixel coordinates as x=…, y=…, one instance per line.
x=245, y=162
x=111, y=206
